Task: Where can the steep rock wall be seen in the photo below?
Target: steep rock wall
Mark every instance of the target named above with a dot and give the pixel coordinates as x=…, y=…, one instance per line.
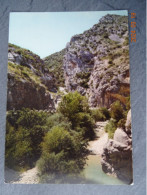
x=96, y=63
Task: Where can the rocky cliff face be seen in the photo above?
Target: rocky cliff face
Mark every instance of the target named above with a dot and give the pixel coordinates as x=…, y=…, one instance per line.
x=96, y=62
x=117, y=153
x=29, y=81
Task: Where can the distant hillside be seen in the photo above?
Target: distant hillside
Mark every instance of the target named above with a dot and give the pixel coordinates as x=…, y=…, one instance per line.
x=54, y=63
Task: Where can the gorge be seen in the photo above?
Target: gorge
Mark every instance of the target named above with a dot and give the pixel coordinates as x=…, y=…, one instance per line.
x=95, y=64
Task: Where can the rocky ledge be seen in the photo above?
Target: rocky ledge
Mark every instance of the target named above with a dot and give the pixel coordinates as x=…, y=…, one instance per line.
x=117, y=153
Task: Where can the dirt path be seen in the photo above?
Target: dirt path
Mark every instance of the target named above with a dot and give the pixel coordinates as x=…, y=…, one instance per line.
x=28, y=177
x=96, y=146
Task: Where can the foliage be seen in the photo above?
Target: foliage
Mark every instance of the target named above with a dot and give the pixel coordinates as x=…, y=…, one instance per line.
x=24, y=132
x=54, y=64
x=83, y=75
x=84, y=83
x=100, y=114
x=62, y=153
x=126, y=42
x=71, y=104
x=117, y=111
x=128, y=105
x=60, y=120
x=105, y=112
x=121, y=123
x=75, y=107
x=85, y=78
x=110, y=128
x=85, y=124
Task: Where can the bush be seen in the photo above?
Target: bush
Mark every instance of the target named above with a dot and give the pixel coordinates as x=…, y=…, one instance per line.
x=83, y=75
x=105, y=112
x=62, y=153
x=71, y=104
x=18, y=147
x=100, y=114
x=117, y=111
x=110, y=128
x=121, y=123
x=84, y=83
x=24, y=132
x=126, y=41
x=60, y=120
x=97, y=115
x=85, y=124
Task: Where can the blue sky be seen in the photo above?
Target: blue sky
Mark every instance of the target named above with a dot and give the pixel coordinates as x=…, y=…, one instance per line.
x=45, y=33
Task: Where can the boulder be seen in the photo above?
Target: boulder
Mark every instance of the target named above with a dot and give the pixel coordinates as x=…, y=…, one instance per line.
x=117, y=155
x=121, y=137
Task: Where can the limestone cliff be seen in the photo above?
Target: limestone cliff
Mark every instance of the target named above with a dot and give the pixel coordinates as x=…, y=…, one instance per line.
x=29, y=82
x=96, y=63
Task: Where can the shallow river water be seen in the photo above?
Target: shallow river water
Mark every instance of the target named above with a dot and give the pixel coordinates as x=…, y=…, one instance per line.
x=94, y=174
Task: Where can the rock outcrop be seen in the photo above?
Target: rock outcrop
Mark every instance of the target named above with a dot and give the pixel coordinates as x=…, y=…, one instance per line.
x=29, y=81
x=96, y=63
x=117, y=153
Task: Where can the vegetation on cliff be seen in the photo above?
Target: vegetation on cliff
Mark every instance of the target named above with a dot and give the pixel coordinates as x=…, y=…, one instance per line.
x=54, y=63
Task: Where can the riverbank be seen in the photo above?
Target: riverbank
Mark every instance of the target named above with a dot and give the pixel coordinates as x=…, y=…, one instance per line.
x=28, y=177
x=93, y=170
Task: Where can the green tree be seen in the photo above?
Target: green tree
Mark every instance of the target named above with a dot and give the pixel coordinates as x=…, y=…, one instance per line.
x=117, y=111
x=75, y=107
x=62, y=153
x=71, y=104
x=25, y=130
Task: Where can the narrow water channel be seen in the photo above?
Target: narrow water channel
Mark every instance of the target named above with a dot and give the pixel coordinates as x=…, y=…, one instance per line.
x=94, y=174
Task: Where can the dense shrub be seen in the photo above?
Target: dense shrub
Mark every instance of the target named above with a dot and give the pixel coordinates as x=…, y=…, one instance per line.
x=84, y=83
x=60, y=120
x=85, y=124
x=100, y=114
x=75, y=107
x=71, y=104
x=83, y=75
x=62, y=153
x=110, y=128
x=121, y=123
x=105, y=112
x=117, y=111
x=126, y=42
x=25, y=130
x=128, y=105
x=97, y=115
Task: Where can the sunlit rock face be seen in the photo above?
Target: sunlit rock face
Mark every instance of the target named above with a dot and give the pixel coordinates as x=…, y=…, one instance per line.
x=96, y=63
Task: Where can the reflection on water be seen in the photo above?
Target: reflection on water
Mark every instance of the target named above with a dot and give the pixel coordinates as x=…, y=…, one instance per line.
x=93, y=172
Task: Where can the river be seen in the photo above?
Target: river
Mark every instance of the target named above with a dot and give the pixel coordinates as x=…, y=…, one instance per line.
x=93, y=172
